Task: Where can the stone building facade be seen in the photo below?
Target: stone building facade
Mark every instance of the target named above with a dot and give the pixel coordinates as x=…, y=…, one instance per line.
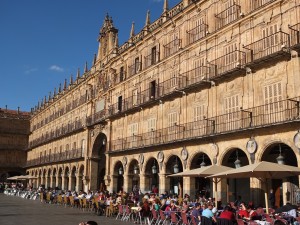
x=14, y=133
x=208, y=82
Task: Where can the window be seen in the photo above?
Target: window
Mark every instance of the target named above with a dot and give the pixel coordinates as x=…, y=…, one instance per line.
x=120, y=99
x=272, y=97
x=121, y=74
x=172, y=121
x=232, y=104
x=136, y=65
x=153, y=56
x=152, y=89
x=151, y=124
x=270, y=37
x=199, y=112
x=200, y=70
x=174, y=78
x=135, y=97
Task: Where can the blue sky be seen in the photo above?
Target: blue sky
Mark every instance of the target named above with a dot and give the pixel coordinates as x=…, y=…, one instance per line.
x=42, y=42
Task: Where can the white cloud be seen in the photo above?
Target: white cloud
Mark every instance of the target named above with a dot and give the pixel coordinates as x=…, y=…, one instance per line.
x=31, y=70
x=56, y=68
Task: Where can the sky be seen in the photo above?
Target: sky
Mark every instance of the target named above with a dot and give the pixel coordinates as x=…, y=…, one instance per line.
x=43, y=42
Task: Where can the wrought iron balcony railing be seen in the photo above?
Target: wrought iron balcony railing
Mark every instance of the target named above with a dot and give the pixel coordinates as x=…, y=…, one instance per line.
x=271, y=114
x=73, y=154
x=197, y=75
x=197, y=33
x=172, y=47
x=134, y=69
x=256, y=4
x=295, y=37
x=151, y=59
x=227, y=64
x=269, y=48
x=97, y=117
x=227, y=16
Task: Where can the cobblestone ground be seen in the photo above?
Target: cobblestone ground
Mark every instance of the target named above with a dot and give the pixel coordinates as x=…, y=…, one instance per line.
x=18, y=211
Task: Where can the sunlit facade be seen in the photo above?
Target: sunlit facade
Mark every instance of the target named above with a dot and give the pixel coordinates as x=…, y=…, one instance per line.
x=208, y=82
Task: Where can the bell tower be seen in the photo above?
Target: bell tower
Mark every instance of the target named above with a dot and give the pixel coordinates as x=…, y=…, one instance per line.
x=107, y=39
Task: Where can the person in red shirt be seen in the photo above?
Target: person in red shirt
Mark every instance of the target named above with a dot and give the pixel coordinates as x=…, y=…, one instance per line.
x=227, y=214
x=243, y=212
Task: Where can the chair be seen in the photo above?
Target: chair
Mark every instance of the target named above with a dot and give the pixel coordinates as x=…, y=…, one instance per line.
x=48, y=197
x=162, y=218
x=221, y=221
x=155, y=217
x=110, y=210
x=127, y=213
x=184, y=219
x=205, y=221
x=240, y=222
x=120, y=214
x=174, y=219
x=59, y=200
x=193, y=220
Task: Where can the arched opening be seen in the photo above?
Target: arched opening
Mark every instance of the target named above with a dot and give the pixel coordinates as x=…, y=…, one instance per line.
x=66, y=180
x=152, y=175
x=60, y=175
x=118, y=176
x=236, y=187
x=202, y=185
x=174, y=184
x=284, y=189
x=81, y=173
x=134, y=176
x=54, y=178
x=47, y=182
x=98, y=160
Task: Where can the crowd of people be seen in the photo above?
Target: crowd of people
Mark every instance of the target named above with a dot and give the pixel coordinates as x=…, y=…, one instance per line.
x=201, y=209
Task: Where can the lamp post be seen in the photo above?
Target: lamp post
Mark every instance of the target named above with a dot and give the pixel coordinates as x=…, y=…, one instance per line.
x=280, y=158
x=136, y=169
x=202, y=164
x=176, y=167
x=237, y=162
x=121, y=172
x=154, y=168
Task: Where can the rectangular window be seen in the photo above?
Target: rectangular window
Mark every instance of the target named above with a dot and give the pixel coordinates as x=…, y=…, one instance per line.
x=121, y=74
x=120, y=103
x=152, y=89
x=135, y=97
x=172, y=121
x=137, y=65
x=174, y=78
x=272, y=97
x=199, y=112
x=270, y=36
x=151, y=124
x=153, y=56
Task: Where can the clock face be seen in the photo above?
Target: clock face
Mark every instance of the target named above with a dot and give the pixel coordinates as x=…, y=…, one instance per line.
x=251, y=146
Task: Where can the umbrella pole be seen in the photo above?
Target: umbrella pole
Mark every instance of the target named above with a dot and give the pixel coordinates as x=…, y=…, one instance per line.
x=215, y=191
x=266, y=196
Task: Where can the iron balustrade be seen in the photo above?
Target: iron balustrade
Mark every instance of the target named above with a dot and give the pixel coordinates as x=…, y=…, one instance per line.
x=172, y=47
x=197, y=75
x=173, y=84
x=227, y=64
x=175, y=10
x=256, y=4
x=119, y=77
x=295, y=37
x=73, y=154
x=228, y=15
x=275, y=113
x=151, y=59
x=97, y=117
x=197, y=33
x=268, y=47
x=134, y=68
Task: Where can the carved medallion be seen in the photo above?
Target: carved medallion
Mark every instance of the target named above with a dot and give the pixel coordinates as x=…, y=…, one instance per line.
x=251, y=146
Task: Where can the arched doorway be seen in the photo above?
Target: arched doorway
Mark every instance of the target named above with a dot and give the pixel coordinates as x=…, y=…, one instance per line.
x=80, y=182
x=73, y=179
x=236, y=187
x=284, y=189
x=134, y=175
x=203, y=186
x=152, y=175
x=118, y=177
x=66, y=180
x=54, y=174
x=174, y=184
x=98, y=160
x=60, y=175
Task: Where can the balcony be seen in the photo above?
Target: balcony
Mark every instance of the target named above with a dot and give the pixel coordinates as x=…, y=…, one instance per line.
x=269, y=49
x=173, y=84
x=197, y=33
x=121, y=76
x=73, y=154
x=97, y=117
x=295, y=37
x=227, y=16
x=256, y=4
x=228, y=64
x=151, y=59
x=134, y=69
x=198, y=75
x=276, y=113
x=172, y=47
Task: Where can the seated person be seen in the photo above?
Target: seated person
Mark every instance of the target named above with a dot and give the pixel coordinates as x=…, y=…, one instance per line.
x=243, y=212
x=208, y=213
x=196, y=213
x=227, y=214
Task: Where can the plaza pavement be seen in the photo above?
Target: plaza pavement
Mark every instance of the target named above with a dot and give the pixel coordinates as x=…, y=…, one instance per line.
x=18, y=211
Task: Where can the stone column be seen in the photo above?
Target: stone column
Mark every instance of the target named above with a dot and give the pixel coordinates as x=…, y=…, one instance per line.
x=143, y=182
x=164, y=183
x=189, y=186
x=127, y=186
x=113, y=184
x=78, y=182
x=63, y=182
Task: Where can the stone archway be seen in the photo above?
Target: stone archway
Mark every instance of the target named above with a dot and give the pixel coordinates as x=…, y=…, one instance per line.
x=174, y=184
x=59, y=178
x=98, y=162
x=151, y=176
x=232, y=188
x=118, y=177
x=202, y=186
x=73, y=179
x=285, y=190
x=133, y=176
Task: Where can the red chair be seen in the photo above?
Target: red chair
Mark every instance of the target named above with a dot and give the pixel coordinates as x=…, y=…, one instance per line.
x=184, y=219
x=174, y=219
x=240, y=222
x=120, y=213
x=193, y=220
x=162, y=218
x=155, y=217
